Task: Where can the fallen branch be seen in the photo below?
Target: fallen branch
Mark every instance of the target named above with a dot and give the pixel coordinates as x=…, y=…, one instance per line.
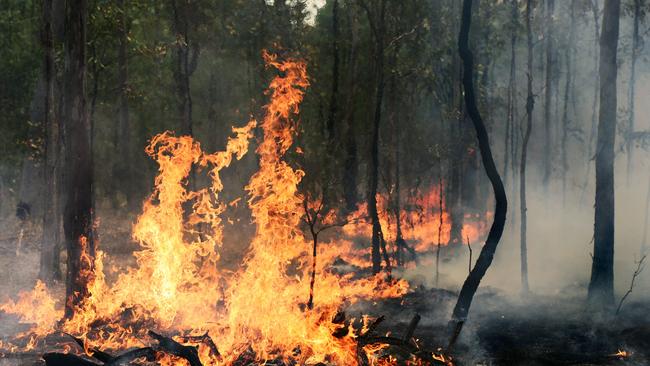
x=205, y=340
x=94, y=353
x=637, y=272
x=132, y=355
x=169, y=345
x=66, y=359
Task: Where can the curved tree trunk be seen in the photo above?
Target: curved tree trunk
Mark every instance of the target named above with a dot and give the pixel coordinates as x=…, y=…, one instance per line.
x=496, y=230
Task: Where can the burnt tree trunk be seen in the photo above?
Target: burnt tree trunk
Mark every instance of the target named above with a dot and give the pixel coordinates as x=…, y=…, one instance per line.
x=378, y=243
x=333, y=111
x=496, y=230
x=350, y=165
x=124, y=137
x=601, y=286
x=594, y=105
x=565, y=109
x=186, y=56
x=77, y=219
x=548, y=92
x=530, y=104
x=50, y=269
x=636, y=42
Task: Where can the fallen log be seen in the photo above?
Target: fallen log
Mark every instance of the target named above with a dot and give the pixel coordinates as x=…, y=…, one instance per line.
x=206, y=340
x=94, y=353
x=66, y=359
x=190, y=353
x=132, y=355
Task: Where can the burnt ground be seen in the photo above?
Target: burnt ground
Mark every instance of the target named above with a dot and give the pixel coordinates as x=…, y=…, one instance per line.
x=501, y=330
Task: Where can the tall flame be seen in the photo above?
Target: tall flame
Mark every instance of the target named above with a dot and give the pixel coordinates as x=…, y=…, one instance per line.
x=177, y=286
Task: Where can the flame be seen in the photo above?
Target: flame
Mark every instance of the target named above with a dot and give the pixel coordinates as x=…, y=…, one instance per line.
x=177, y=285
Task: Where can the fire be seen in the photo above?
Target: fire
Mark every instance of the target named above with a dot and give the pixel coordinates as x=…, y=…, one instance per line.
x=422, y=222
x=177, y=285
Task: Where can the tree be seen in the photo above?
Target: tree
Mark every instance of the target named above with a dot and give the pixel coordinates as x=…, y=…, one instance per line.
x=501, y=205
x=50, y=251
x=601, y=286
x=378, y=27
x=124, y=129
x=77, y=219
x=530, y=104
x=186, y=54
x=548, y=90
x=636, y=43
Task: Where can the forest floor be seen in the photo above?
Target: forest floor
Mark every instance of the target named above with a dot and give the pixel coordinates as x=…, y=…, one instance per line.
x=501, y=330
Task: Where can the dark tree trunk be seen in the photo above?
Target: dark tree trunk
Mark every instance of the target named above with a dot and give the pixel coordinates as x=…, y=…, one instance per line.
x=530, y=104
x=124, y=137
x=548, y=91
x=333, y=110
x=186, y=56
x=77, y=220
x=594, y=105
x=601, y=287
x=350, y=165
x=636, y=42
x=378, y=243
x=565, y=109
x=487, y=253
x=50, y=269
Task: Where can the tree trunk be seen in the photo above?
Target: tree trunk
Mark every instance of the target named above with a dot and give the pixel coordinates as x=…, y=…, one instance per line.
x=548, y=91
x=594, y=105
x=77, y=220
x=124, y=140
x=377, y=234
x=50, y=270
x=565, y=109
x=332, y=114
x=530, y=104
x=601, y=287
x=350, y=165
x=496, y=230
x=186, y=57
x=638, y=5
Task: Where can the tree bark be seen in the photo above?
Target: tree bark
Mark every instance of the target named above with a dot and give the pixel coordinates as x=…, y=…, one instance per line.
x=77, y=220
x=50, y=269
x=601, y=287
x=333, y=110
x=496, y=230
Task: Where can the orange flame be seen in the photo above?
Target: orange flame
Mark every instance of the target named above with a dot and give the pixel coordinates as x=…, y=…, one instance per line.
x=177, y=286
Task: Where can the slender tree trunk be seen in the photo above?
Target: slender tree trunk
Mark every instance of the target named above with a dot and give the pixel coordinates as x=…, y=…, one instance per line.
x=638, y=5
x=350, y=161
x=594, y=104
x=124, y=140
x=565, y=109
x=530, y=104
x=77, y=220
x=333, y=110
x=512, y=130
x=50, y=270
x=601, y=287
x=548, y=91
x=496, y=230
x=377, y=234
